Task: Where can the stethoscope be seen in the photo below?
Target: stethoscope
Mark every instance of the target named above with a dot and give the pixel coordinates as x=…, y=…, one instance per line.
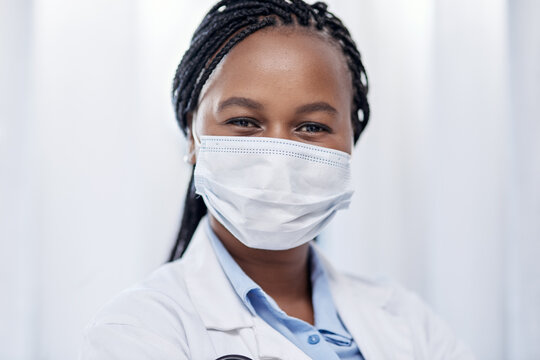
x=234, y=357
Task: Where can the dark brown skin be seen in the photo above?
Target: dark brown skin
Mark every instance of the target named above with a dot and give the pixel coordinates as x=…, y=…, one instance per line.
x=288, y=84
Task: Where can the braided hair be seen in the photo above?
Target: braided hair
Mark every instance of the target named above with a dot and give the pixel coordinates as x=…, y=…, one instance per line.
x=224, y=26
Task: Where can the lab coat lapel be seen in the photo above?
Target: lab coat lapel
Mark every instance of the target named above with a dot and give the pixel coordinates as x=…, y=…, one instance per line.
x=213, y=295
x=273, y=345
x=378, y=333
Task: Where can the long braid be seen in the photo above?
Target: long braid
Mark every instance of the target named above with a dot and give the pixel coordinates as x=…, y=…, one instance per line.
x=194, y=210
x=224, y=26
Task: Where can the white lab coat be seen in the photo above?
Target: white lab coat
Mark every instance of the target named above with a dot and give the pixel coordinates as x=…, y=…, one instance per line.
x=188, y=310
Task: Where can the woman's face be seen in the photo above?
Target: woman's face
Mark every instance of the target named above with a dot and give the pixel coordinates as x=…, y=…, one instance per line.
x=280, y=83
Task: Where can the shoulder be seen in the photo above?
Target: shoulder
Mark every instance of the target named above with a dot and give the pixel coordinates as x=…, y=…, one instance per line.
x=384, y=293
x=162, y=292
x=431, y=334
x=387, y=293
x=145, y=318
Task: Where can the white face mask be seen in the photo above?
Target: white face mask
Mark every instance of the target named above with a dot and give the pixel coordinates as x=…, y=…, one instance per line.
x=271, y=193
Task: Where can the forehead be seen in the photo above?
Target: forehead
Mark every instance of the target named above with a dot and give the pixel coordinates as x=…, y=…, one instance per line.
x=283, y=61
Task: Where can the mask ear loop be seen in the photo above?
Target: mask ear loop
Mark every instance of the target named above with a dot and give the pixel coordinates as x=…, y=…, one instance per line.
x=194, y=134
x=196, y=140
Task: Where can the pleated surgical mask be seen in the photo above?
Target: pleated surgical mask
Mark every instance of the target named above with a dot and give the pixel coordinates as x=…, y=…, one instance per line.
x=271, y=193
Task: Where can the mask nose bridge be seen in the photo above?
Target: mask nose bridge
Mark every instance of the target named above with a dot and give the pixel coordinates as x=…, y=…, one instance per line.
x=282, y=179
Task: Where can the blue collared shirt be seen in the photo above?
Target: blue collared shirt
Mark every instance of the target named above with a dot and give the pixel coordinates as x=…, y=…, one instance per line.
x=328, y=339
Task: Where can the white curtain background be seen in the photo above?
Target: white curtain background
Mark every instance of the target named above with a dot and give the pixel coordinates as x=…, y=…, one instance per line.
x=447, y=174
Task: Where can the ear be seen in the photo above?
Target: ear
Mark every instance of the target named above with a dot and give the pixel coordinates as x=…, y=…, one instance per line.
x=191, y=156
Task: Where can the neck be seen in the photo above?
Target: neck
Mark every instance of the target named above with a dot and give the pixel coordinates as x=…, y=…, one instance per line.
x=282, y=274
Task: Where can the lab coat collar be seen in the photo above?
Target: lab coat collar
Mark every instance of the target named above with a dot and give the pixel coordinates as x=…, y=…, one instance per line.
x=214, y=297
x=371, y=293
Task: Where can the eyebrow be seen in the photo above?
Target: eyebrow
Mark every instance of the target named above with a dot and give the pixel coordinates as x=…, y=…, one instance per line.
x=316, y=106
x=240, y=101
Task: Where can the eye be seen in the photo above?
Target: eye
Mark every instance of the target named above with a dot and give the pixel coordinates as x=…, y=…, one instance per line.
x=243, y=122
x=313, y=128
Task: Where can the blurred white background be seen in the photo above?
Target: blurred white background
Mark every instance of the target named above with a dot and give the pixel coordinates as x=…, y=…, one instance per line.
x=447, y=174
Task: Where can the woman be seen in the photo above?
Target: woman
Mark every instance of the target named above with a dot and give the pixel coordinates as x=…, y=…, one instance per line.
x=272, y=96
